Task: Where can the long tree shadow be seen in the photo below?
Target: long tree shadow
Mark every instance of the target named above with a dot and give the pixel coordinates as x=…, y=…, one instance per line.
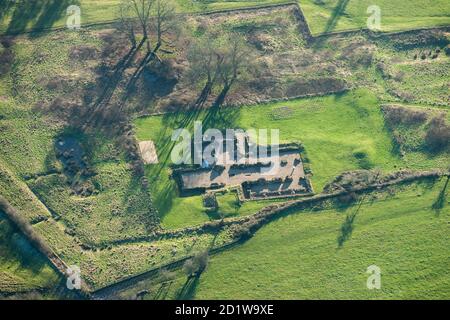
x=53, y=11
x=336, y=15
x=35, y=15
x=348, y=225
x=19, y=248
x=187, y=292
x=163, y=291
x=338, y=11
x=346, y=229
x=5, y=7
x=439, y=203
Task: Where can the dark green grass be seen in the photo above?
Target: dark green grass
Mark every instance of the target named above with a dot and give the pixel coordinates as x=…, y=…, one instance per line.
x=338, y=15
x=22, y=267
x=335, y=130
x=299, y=257
x=322, y=16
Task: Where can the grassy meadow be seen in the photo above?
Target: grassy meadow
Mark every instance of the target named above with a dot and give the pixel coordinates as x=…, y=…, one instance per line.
x=298, y=256
x=339, y=15
x=323, y=124
x=301, y=255
x=44, y=14
x=322, y=15
x=105, y=232
x=22, y=267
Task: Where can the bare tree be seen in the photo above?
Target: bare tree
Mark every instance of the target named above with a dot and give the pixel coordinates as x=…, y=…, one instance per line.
x=126, y=23
x=156, y=20
x=238, y=60
x=206, y=58
x=219, y=61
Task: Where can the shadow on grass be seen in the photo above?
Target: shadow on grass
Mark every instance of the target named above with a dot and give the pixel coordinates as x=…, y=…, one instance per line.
x=439, y=203
x=163, y=291
x=346, y=229
x=187, y=292
x=348, y=226
x=35, y=15
x=14, y=246
x=338, y=11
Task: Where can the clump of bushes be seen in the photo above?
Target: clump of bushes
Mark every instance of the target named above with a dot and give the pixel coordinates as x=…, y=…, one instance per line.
x=348, y=198
x=347, y=181
x=397, y=115
x=447, y=50
x=246, y=230
x=130, y=145
x=197, y=264
x=437, y=137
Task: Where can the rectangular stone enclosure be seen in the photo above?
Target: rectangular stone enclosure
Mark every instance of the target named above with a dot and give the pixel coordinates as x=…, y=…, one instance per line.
x=252, y=174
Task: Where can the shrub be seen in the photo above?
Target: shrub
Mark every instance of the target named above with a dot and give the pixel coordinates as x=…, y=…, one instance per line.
x=210, y=201
x=437, y=137
x=396, y=115
x=447, y=50
x=242, y=232
x=197, y=264
x=348, y=198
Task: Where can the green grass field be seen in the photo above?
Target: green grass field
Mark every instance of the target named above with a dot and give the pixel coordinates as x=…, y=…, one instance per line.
x=324, y=125
x=22, y=268
x=338, y=15
x=322, y=16
x=298, y=256
x=43, y=14
x=340, y=132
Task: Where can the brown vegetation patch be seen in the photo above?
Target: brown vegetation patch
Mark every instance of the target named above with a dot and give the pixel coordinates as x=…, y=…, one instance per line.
x=397, y=115
x=83, y=52
x=437, y=137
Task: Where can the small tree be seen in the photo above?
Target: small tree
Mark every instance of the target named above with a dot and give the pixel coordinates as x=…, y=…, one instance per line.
x=197, y=264
x=154, y=20
x=126, y=23
x=437, y=137
x=219, y=60
x=201, y=261
x=238, y=60
x=206, y=59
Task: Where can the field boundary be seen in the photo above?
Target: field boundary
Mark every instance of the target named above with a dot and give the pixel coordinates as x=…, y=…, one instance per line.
x=267, y=215
x=37, y=241
x=202, y=228
x=313, y=36
x=129, y=281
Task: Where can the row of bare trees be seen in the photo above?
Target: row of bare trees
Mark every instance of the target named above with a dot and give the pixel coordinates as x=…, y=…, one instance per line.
x=219, y=61
x=216, y=61
x=148, y=24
